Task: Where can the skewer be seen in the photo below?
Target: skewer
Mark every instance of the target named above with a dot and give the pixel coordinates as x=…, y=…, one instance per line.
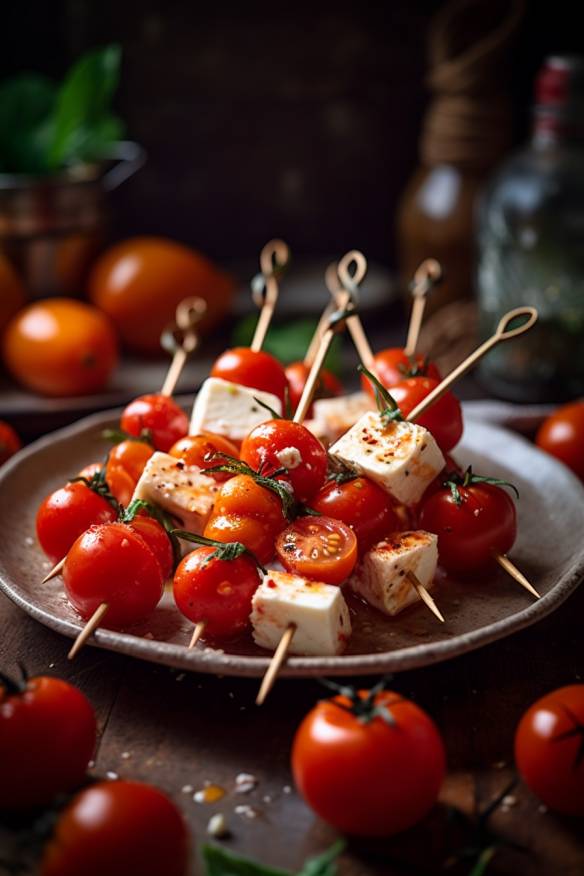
x=197, y=633
x=428, y=275
x=518, y=576
x=425, y=595
x=89, y=628
x=349, y=284
x=275, y=664
x=273, y=259
x=56, y=570
x=189, y=312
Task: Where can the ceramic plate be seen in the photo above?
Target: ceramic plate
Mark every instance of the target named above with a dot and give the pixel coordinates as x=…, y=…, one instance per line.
x=549, y=550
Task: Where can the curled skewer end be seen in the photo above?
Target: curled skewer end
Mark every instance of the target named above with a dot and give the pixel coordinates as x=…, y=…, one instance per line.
x=504, y=333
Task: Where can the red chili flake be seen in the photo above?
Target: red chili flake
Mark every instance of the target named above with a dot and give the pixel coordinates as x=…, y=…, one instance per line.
x=271, y=583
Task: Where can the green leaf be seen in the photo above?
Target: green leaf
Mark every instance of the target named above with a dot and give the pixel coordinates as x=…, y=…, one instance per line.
x=219, y=862
x=26, y=104
x=325, y=864
x=288, y=342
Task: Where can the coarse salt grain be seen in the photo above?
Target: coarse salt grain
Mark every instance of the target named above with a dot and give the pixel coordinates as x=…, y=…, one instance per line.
x=247, y=812
x=245, y=782
x=217, y=826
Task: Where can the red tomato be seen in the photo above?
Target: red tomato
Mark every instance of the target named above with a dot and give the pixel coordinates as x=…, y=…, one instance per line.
x=130, y=455
x=328, y=385
x=157, y=540
x=470, y=532
x=9, y=442
x=47, y=738
x=160, y=416
x=319, y=548
x=549, y=749
x=369, y=777
x=66, y=514
x=362, y=505
x=113, y=564
x=199, y=450
x=216, y=591
x=562, y=435
x=257, y=369
x=283, y=444
x=443, y=419
x=118, y=828
x=392, y=366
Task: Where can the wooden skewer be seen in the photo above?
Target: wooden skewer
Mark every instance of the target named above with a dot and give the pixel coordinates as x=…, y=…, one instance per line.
x=318, y=333
x=425, y=595
x=89, y=628
x=197, y=633
x=276, y=663
x=56, y=570
x=189, y=312
x=349, y=283
x=274, y=256
x=426, y=277
x=518, y=576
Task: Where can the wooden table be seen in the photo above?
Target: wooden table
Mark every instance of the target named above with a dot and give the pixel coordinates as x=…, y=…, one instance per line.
x=178, y=731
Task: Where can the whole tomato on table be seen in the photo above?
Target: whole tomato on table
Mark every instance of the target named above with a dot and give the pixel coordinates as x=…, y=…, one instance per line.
x=10, y=443
x=562, y=435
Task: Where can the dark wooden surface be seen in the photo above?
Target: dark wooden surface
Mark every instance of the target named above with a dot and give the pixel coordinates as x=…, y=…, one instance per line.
x=178, y=730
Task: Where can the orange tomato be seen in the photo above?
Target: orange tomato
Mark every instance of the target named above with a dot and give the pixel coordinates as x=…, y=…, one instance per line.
x=9, y=441
x=199, y=450
x=140, y=282
x=124, y=468
x=12, y=294
x=61, y=347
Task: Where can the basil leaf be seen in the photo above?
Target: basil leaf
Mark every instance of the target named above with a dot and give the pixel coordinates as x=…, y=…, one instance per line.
x=26, y=103
x=219, y=862
x=325, y=864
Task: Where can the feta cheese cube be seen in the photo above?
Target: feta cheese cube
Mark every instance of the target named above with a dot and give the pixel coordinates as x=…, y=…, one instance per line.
x=401, y=457
x=230, y=409
x=181, y=490
x=318, y=610
x=381, y=576
x=333, y=416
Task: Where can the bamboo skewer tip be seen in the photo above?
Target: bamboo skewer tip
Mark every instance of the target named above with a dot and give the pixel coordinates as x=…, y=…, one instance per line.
x=509, y=566
x=56, y=570
x=276, y=663
x=89, y=628
x=425, y=596
x=197, y=633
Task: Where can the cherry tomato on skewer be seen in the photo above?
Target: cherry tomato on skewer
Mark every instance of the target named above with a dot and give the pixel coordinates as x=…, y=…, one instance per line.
x=157, y=539
x=328, y=385
x=159, y=416
x=200, y=450
x=443, y=419
x=319, y=548
x=65, y=514
x=392, y=366
x=254, y=368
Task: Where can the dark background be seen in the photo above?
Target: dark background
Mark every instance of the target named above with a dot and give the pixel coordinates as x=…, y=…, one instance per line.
x=298, y=120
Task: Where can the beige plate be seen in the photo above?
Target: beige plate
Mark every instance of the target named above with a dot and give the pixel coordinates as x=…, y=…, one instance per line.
x=549, y=550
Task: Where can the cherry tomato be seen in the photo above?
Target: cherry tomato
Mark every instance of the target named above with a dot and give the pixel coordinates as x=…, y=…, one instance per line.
x=283, y=444
x=319, y=548
x=199, y=450
x=369, y=777
x=562, y=435
x=549, y=748
x=66, y=514
x=468, y=533
x=118, y=828
x=12, y=292
x=247, y=512
x=257, y=369
x=160, y=416
x=47, y=738
x=443, y=419
x=61, y=347
x=362, y=505
x=216, y=591
x=124, y=468
x=90, y=470
x=328, y=385
x=10, y=443
x=112, y=563
x=139, y=283
x=157, y=540
x=392, y=366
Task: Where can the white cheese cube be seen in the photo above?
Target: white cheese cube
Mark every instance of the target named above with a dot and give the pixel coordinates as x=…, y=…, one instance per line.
x=401, y=457
x=230, y=409
x=381, y=576
x=181, y=490
x=318, y=610
x=333, y=416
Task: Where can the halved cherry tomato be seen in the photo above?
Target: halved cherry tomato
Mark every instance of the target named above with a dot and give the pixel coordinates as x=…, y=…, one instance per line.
x=443, y=419
x=362, y=505
x=160, y=416
x=469, y=532
x=319, y=548
x=112, y=563
x=216, y=591
x=65, y=514
x=200, y=449
x=278, y=444
x=373, y=769
x=9, y=442
x=47, y=738
x=392, y=366
x=118, y=828
x=257, y=369
x=549, y=749
x=562, y=435
x=328, y=386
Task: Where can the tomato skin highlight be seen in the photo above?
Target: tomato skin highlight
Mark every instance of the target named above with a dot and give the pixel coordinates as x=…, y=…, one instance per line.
x=369, y=779
x=47, y=738
x=318, y=547
x=118, y=828
x=111, y=563
x=469, y=533
x=160, y=415
x=362, y=505
x=392, y=366
x=328, y=385
x=443, y=419
x=549, y=765
x=266, y=448
x=254, y=368
x=562, y=435
x=216, y=591
x=65, y=514
x=199, y=450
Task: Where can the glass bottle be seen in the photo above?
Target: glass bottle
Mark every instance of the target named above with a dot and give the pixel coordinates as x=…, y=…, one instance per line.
x=531, y=246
